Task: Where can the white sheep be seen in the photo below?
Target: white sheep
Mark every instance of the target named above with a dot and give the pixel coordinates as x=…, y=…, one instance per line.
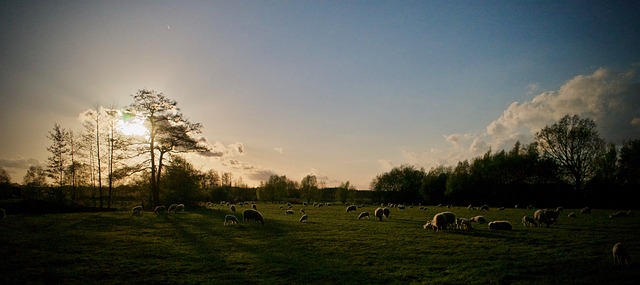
x=172, y=208
x=571, y=215
x=620, y=255
x=180, y=207
x=289, y=212
x=463, y=223
x=484, y=208
x=160, y=210
x=500, y=225
x=351, y=208
x=428, y=226
x=251, y=214
x=364, y=215
x=230, y=219
x=529, y=221
x=585, y=210
x=233, y=208
x=386, y=212
x=439, y=222
x=136, y=211
x=379, y=213
x=304, y=218
x=479, y=219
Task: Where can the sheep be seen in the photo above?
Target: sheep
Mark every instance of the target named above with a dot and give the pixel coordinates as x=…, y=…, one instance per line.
x=428, y=225
x=379, y=213
x=529, y=221
x=289, y=212
x=501, y=209
x=233, y=208
x=180, y=207
x=618, y=214
x=251, y=214
x=231, y=219
x=401, y=207
x=479, y=219
x=364, y=215
x=304, y=218
x=439, y=222
x=253, y=206
x=451, y=218
x=172, y=208
x=470, y=207
x=585, y=210
x=386, y=212
x=484, y=207
x=351, y=208
x=547, y=217
x=559, y=209
x=463, y=223
x=302, y=211
x=500, y=225
x=135, y=211
x=620, y=255
x=160, y=210
x=571, y=215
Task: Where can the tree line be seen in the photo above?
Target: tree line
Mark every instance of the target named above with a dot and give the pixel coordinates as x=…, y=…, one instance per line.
x=568, y=163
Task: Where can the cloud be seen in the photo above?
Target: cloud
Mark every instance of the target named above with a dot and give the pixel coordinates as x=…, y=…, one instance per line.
x=278, y=149
x=218, y=149
x=18, y=162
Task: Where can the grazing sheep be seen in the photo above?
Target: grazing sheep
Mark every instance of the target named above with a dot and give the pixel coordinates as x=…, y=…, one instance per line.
x=440, y=222
x=230, y=219
x=618, y=214
x=501, y=209
x=451, y=219
x=547, y=217
x=233, y=208
x=559, y=209
x=529, y=221
x=479, y=219
x=386, y=212
x=304, y=218
x=352, y=208
x=428, y=225
x=160, y=210
x=470, y=207
x=463, y=224
x=585, y=210
x=401, y=207
x=364, y=215
x=172, y=208
x=251, y=214
x=516, y=206
x=379, y=213
x=180, y=207
x=135, y=211
x=620, y=255
x=484, y=207
x=289, y=212
x=500, y=225
x=571, y=215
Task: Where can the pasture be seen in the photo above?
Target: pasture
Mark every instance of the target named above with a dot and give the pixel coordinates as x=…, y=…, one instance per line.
x=333, y=247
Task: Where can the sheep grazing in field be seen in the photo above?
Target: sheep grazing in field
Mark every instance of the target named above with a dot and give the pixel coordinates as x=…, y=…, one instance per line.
x=302, y=211
x=500, y=225
x=180, y=207
x=484, y=208
x=546, y=217
x=620, y=255
x=501, y=209
x=379, y=213
x=470, y=207
x=529, y=221
x=364, y=215
x=233, y=208
x=463, y=224
x=172, y=208
x=585, y=210
x=401, y=207
x=618, y=214
x=516, y=206
x=479, y=219
x=386, y=212
x=559, y=209
x=428, y=226
x=289, y=212
x=571, y=215
x=352, y=208
x=442, y=221
x=135, y=211
x=159, y=210
x=251, y=214
x=230, y=219
x=304, y=218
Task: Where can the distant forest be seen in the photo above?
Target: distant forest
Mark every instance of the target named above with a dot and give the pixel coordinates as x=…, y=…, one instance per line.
x=568, y=164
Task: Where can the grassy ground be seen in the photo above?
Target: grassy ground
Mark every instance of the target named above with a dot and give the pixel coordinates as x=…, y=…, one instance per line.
x=334, y=247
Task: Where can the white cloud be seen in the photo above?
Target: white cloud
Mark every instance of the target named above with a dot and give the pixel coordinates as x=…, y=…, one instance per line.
x=278, y=149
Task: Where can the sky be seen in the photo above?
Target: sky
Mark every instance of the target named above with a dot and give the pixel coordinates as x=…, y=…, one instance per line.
x=344, y=90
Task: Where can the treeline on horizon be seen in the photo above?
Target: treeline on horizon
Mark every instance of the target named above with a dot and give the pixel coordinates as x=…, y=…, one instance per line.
x=568, y=164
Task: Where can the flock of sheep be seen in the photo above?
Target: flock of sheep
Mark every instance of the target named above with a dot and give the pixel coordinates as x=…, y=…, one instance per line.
x=440, y=221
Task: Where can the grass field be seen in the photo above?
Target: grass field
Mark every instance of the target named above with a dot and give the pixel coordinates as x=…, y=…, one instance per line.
x=334, y=247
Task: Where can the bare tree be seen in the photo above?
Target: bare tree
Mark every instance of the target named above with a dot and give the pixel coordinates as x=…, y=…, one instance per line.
x=574, y=144
x=59, y=148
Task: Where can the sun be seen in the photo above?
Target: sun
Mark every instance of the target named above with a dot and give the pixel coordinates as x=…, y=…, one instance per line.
x=132, y=126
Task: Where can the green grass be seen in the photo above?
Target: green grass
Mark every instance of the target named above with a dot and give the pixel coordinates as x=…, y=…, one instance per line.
x=333, y=247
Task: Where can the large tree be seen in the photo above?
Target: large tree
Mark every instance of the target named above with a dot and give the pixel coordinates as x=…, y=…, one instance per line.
x=401, y=184
x=574, y=143
x=59, y=149
x=169, y=132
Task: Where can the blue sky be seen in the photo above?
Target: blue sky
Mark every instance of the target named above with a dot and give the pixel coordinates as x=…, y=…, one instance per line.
x=344, y=90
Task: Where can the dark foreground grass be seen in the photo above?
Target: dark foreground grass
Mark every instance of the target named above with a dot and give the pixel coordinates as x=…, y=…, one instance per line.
x=332, y=248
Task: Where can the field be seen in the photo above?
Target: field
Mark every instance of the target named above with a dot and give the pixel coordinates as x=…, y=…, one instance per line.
x=194, y=247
